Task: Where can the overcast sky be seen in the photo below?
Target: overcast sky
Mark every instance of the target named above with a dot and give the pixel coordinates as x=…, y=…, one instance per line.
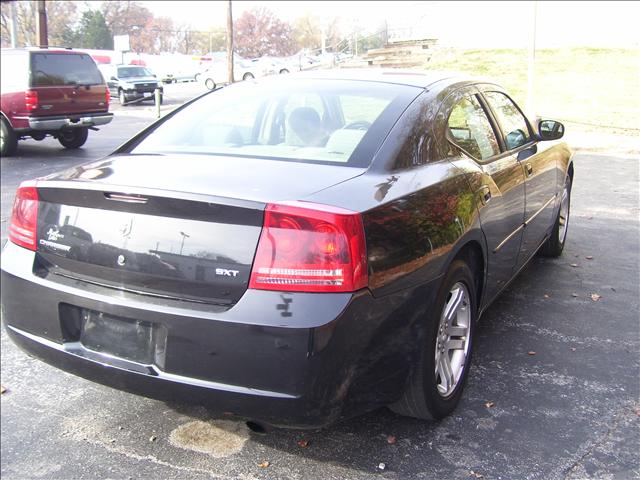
x=464, y=24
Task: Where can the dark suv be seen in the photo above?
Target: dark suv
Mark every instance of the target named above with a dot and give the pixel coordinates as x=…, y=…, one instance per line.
x=50, y=92
x=131, y=83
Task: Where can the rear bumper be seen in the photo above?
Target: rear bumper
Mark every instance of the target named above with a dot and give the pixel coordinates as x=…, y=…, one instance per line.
x=272, y=407
x=297, y=360
x=69, y=121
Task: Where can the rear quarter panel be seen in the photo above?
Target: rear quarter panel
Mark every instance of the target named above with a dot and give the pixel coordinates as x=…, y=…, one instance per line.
x=418, y=209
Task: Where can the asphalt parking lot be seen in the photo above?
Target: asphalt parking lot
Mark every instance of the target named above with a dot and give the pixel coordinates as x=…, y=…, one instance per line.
x=553, y=393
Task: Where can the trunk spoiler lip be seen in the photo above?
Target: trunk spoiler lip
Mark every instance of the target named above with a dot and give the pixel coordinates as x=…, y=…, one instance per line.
x=144, y=192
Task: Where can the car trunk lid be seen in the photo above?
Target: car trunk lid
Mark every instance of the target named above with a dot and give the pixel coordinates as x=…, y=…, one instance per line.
x=170, y=246
x=132, y=234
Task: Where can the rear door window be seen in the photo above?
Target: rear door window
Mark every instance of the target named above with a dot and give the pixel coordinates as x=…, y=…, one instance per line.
x=49, y=69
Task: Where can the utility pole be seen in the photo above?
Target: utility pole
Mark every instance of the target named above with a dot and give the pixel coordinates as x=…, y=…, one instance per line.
x=230, y=58
x=184, y=235
x=531, y=64
x=14, y=25
x=41, y=24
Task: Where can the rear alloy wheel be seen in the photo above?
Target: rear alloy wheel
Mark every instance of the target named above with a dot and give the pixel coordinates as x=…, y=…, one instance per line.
x=73, y=138
x=210, y=84
x=121, y=97
x=436, y=384
x=8, y=139
x=554, y=245
x=248, y=76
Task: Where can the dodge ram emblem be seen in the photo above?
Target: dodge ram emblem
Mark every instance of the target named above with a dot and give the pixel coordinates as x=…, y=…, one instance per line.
x=121, y=260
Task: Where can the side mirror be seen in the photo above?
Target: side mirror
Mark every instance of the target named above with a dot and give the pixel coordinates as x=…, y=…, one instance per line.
x=153, y=75
x=114, y=79
x=550, y=130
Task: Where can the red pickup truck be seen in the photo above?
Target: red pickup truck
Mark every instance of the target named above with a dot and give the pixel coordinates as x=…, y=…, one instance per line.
x=57, y=92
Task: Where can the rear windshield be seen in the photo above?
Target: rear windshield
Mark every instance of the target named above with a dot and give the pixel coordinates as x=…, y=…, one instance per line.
x=126, y=72
x=63, y=69
x=328, y=121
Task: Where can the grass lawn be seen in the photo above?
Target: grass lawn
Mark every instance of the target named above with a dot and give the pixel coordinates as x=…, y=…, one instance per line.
x=583, y=85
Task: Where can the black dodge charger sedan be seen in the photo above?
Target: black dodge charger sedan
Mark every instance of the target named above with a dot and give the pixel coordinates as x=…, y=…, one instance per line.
x=292, y=250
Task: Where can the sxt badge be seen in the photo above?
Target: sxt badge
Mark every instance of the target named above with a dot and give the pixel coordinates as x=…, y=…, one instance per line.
x=227, y=273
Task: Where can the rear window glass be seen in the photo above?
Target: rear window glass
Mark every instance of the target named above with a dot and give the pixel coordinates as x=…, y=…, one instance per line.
x=306, y=121
x=63, y=69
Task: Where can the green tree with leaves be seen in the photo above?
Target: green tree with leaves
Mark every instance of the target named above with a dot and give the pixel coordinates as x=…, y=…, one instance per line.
x=94, y=32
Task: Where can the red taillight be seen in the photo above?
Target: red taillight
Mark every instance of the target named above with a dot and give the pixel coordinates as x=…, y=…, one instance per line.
x=310, y=248
x=107, y=97
x=24, y=217
x=31, y=99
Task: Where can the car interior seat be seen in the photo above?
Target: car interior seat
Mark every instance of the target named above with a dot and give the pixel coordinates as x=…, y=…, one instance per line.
x=305, y=128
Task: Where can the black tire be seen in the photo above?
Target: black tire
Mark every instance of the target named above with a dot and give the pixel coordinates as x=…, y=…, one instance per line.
x=121, y=97
x=248, y=76
x=9, y=140
x=283, y=71
x=210, y=84
x=73, y=138
x=554, y=245
x=421, y=399
x=196, y=77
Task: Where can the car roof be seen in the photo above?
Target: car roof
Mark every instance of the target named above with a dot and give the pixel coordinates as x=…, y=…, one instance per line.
x=64, y=50
x=413, y=78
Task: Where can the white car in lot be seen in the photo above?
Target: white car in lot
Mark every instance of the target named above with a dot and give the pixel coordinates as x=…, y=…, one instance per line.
x=217, y=73
x=281, y=65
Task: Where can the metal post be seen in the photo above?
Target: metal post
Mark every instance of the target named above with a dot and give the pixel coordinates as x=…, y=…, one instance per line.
x=156, y=94
x=41, y=21
x=14, y=25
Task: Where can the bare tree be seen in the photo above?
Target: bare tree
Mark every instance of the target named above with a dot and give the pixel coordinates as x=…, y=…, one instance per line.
x=26, y=22
x=133, y=19
x=307, y=32
x=5, y=24
x=62, y=17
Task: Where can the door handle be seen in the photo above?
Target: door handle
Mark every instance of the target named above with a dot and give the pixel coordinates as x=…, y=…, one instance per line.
x=529, y=169
x=485, y=194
